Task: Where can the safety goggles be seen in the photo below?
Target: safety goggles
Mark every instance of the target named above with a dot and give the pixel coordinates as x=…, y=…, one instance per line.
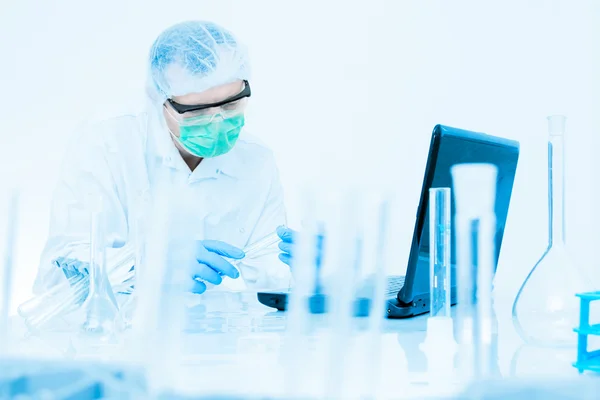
x=205, y=113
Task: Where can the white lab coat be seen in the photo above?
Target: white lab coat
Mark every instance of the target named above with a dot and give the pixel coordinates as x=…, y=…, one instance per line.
x=238, y=196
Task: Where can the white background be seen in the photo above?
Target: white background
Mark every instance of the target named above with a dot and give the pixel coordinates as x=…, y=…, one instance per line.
x=343, y=91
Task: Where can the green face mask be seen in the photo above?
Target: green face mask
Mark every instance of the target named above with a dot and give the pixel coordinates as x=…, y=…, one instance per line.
x=213, y=139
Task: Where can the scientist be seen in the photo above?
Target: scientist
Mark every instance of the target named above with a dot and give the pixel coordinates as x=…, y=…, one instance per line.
x=192, y=130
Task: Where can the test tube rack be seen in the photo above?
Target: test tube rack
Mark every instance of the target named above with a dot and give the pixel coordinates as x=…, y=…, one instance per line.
x=587, y=360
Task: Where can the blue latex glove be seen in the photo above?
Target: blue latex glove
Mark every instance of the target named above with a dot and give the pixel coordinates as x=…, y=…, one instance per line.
x=211, y=266
x=287, y=244
x=71, y=266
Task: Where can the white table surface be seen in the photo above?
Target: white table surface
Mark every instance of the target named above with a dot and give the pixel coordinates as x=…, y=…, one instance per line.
x=238, y=347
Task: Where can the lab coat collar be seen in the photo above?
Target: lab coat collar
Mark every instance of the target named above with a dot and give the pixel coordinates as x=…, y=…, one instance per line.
x=228, y=164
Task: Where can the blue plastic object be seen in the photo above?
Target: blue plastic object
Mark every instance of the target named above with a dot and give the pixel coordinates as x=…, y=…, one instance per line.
x=587, y=360
x=82, y=380
x=34, y=378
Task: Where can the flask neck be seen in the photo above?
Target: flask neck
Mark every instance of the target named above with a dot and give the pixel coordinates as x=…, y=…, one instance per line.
x=556, y=190
x=98, y=255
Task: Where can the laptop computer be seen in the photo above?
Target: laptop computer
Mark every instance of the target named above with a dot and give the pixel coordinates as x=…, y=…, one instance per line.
x=408, y=295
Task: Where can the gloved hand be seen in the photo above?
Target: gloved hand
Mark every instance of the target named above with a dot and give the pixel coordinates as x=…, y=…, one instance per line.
x=211, y=266
x=71, y=266
x=287, y=245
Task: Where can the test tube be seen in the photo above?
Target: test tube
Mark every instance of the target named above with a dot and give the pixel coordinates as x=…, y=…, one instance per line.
x=439, y=345
x=345, y=239
x=9, y=218
x=474, y=193
x=256, y=247
x=378, y=310
x=164, y=274
x=439, y=252
x=149, y=284
x=100, y=308
x=251, y=251
x=296, y=351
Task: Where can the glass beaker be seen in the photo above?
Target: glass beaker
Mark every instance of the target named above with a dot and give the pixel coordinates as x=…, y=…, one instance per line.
x=546, y=310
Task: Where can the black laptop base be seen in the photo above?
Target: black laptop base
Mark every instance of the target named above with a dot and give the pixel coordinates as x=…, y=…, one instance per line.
x=318, y=305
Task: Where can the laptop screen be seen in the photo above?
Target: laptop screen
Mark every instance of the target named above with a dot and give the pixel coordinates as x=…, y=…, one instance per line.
x=450, y=146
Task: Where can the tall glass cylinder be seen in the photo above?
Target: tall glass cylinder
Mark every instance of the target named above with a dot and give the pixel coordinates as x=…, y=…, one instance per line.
x=546, y=310
x=162, y=279
x=8, y=227
x=100, y=308
x=439, y=345
x=475, y=193
x=439, y=252
x=373, y=371
x=556, y=179
x=298, y=361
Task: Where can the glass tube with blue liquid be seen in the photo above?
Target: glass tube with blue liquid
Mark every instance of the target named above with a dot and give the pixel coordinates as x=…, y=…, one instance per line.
x=439, y=252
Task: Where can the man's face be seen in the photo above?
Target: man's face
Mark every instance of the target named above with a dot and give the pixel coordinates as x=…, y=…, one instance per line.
x=213, y=95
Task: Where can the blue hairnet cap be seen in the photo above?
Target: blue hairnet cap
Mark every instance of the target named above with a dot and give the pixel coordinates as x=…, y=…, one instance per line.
x=194, y=56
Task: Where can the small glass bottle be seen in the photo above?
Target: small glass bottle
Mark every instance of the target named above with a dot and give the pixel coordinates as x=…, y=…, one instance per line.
x=546, y=311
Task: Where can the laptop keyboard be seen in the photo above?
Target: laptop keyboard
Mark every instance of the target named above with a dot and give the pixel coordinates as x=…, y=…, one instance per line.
x=394, y=284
